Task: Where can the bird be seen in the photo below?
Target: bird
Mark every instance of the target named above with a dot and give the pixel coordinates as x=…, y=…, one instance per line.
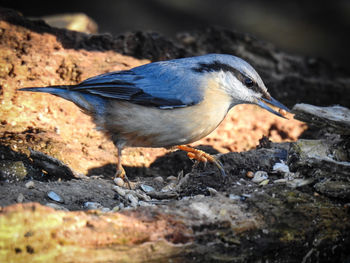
x=167, y=103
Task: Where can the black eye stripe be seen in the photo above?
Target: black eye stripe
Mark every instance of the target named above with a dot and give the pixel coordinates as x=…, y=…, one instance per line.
x=218, y=66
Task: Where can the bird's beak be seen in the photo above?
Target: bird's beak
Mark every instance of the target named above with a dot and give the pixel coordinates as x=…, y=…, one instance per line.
x=273, y=102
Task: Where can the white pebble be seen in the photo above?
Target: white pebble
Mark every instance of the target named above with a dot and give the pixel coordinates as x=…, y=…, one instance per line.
x=119, y=181
x=146, y=188
x=92, y=206
x=281, y=167
x=168, y=188
x=133, y=200
x=121, y=191
x=141, y=195
x=212, y=191
x=55, y=197
x=29, y=185
x=260, y=176
x=234, y=197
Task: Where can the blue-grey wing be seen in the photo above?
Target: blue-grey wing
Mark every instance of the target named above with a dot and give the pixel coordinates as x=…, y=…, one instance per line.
x=164, y=84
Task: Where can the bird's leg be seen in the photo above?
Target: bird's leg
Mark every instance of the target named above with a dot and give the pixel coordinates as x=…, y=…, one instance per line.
x=120, y=170
x=202, y=156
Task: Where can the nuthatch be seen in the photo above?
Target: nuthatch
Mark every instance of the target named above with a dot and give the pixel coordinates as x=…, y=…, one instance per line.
x=167, y=103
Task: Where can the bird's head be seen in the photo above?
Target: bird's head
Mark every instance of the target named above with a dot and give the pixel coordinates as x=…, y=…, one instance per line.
x=240, y=81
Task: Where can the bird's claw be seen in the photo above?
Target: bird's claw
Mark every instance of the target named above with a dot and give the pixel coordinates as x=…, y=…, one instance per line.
x=202, y=156
x=122, y=174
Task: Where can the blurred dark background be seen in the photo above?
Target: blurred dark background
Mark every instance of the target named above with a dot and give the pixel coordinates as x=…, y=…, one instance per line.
x=311, y=28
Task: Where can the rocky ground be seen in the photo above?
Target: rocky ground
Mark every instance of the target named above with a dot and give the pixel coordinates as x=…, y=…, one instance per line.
x=52, y=155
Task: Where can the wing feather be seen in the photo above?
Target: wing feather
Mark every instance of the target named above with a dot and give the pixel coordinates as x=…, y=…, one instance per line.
x=165, y=84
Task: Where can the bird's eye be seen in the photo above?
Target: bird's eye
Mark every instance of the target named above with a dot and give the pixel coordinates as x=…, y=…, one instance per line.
x=248, y=82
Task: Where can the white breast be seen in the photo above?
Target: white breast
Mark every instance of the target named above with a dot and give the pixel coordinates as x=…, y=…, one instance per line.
x=143, y=126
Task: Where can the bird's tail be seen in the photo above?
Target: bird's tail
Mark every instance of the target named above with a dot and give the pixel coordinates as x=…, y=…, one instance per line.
x=88, y=102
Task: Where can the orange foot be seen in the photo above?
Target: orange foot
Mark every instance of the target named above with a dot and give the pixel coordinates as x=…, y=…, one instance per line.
x=202, y=156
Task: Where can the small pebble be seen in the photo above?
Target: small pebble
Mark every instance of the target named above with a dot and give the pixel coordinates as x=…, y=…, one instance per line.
x=159, y=179
x=133, y=200
x=281, y=167
x=116, y=208
x=249, y=174
x=265, y=182
x=20, y=198
x=146, y=188
x=212, y=191
x=119, y=181
x=29, y=185
x=121, y=191
x=141, y=195
x=92, y=206
x=168, y=188
x=265, y=231
x=55, y=197
x=234, y=197
x=260, y=176
x=56, y=206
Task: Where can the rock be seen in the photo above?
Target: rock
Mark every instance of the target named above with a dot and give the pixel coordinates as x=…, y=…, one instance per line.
x=119, y=181
x=260, y=176
x=120, y=190
x=30, y=185
x=92, y=206
x=212, y=191
x=171, y=187
x=55, y=197
x=133, y=200
x=281, y=168
x=147, y=188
